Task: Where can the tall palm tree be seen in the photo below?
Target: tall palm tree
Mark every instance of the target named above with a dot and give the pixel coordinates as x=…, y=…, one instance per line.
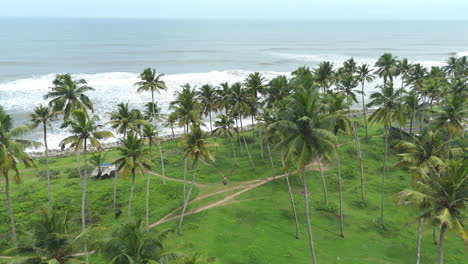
x=388, y=99
x=148, y=112
x=364, y=74
x=451, y=114
x=196, y=147
x=255, y=84
x=302, y=78
x=186, y=107
x=45, y=115
x=53, y=240
x=11, y=151
x=403, y=69
x=387, y=67
x=277, y=90
x=150, y=81
x=207, y=96
x=304, y=138
x=338, y=121
x=132, y=243
x=225, y=127
x=85, y=130
x=442, y=194
x=132, y=159
x=150, y=134
x=125, y=119
x=324, y=75
x=68, y=95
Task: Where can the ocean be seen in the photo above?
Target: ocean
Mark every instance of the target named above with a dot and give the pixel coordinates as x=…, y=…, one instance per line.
x=110, y=53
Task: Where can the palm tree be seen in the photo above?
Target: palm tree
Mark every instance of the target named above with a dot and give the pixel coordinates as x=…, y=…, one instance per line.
x=150, y=81
x=302, y=78
x=452, y=113
x=97, y=160
x=404, y=69
x=45, y=115
x=304, y=138
x=387, y=67
x=207, y=97
x=52, y=240
x=170, y=122
x=442, y=194
x=132, y=159
x=225, y=127
x=338, y=121
x=132, y=243
x=388, y=101
x=125, y=119
x=85, y=130
x=186, y=107
x=11, y=150
x=195, y=146
x=255, y=84
x=324, y=75
x=68, y=95
x=148, y=112
x=364, y=74
x=150, y=133
x=277, y=90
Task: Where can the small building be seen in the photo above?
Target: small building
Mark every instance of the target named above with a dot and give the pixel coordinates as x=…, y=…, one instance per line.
x=103, y=171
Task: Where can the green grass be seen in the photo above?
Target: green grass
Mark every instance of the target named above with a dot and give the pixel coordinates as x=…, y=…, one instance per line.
x=256, y=226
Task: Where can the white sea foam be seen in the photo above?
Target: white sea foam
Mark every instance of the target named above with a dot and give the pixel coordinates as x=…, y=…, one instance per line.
x=19, y=97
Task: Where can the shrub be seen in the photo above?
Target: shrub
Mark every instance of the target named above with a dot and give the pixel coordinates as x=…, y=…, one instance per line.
x=43, y=174
x=43, y=161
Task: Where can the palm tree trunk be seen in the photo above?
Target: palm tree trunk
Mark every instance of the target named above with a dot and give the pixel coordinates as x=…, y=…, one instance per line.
x=188, y=196
x=114, y=205
x=422, y=117
x=434, y=237
x=173, y=135
x=418, y=245
x=248, y=153
x=260, y=139
x=291, y=198
x=364, y=111
x=234, y=151
x=253, y=128
x=414, y=117
x=309, y=226
x=132, y=189
x=10, y=211
x=83, y=200
x=361, y=167
x=384, y=171
x=238, y=137
x=162, y=163
x=49, y=194
x=148, y=181
x=340, y=185
x=185, y=176
x=272, y=163
x=441, y=243
x=211, y=126
x=324, y=184
x=240, y=120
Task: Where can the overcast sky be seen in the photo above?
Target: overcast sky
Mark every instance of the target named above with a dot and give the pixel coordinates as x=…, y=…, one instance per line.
x=243, y=9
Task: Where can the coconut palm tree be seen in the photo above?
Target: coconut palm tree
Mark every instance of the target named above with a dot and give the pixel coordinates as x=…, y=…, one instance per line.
x=150, y=81
x=339, y=121
x=68, y=95
x=85, y=130
x=403, y=69
x=276, y=91
x=225, y=127
x=255, y=85
x=170, y=122
x=304, y=138
x=302, y=78
x=11, y=151
x=150, y=134
x=196, y=147
x=442, y=194
x=388, y=100
x=186, y=107
x=387, y=67
x=206, y=97
x=53, y=240
x=132, y=243
x=324, y=75
x=148, y=112
x=125, y=119
x=132, y=160
x=364, y=74
x=45, y=115
x=451, y=114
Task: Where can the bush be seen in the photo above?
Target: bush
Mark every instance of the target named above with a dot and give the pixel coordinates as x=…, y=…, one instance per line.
x=43, y=174
x=73, y=172
x=330, y=208
x=43, y=161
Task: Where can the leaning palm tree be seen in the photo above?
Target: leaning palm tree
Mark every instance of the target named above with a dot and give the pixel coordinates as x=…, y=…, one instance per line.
x=45, y=115
x=150, y=133
x=12, y=150
x=305, y=137
x=132, y=160
x=196, y=147
x=132, y=243
x=442, y=194
x=387, y=67
x=339, y=121
x=388, y=100
x=68, y=95
x=85, y=131
x=207, y=97
x=364, y=74
x=52, y=241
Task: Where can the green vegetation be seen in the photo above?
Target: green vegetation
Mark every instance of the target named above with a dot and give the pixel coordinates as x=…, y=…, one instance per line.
x=243, y=201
